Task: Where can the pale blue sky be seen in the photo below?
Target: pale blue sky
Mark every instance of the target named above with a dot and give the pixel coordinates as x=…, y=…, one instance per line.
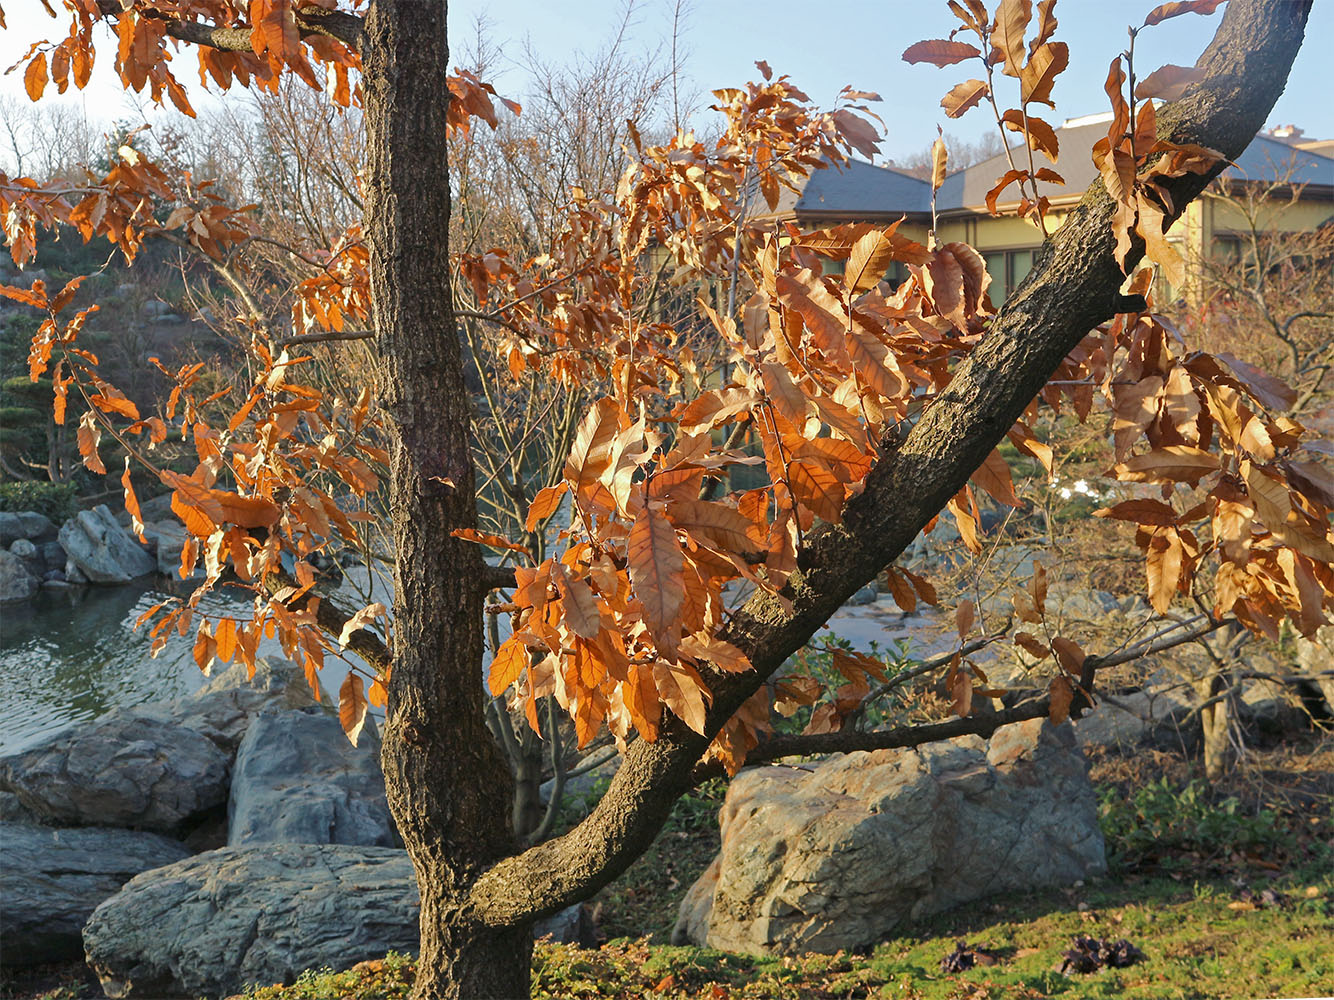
x=825, y=46
x=822, y=46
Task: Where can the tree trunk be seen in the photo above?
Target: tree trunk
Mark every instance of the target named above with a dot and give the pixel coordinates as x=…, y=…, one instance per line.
x=1215, y=723
x=447, y=784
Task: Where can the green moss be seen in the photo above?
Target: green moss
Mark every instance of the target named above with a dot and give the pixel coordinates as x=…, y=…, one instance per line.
x=1200, y=943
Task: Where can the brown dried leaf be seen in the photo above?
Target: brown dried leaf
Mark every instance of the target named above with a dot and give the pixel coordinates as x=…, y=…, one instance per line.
x=657, y=570
x=352, y=706
x=940, y=52
x=964, y=97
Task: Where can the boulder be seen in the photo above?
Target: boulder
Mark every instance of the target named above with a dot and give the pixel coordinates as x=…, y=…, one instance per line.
x=1315, y=663
x=1126, y=719
x=297, y=779
x=24, y=549
x=223, y=708
x=167, y=539
x=102, y=550
x=216, y=923
x=572, y=925
x=36, y=527
x=11, y=528
x=52, y=880
x=17, y=582
x=123, y=769
x=53, y=555
x=838, y=854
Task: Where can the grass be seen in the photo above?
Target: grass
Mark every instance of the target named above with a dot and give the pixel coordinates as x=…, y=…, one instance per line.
x=1200, y=942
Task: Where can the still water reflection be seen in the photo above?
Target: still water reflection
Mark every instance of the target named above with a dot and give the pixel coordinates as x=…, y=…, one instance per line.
x=69, y=657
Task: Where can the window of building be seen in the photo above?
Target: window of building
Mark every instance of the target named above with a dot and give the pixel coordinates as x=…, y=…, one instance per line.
x=1007, y=269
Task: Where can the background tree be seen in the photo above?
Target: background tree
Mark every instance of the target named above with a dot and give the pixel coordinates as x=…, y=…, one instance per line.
x=873, y=406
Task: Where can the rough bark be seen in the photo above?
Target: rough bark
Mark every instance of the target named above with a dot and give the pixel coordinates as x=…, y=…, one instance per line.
x=1073, y=287
x=447, y=783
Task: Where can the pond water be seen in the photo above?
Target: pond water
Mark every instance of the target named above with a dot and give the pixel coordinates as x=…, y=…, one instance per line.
x=70, y=656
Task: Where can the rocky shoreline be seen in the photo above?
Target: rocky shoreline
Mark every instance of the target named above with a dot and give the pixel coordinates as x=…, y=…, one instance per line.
x=92, y=547
x=193, y=847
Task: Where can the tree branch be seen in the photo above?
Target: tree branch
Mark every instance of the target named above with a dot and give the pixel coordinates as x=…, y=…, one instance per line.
x=331, y=618
x=1073, y=287
x=340, y=26
x=498, y=577
x=324, y=336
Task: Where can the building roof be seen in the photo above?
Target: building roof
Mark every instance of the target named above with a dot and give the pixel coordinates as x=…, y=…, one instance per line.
x=859, y=189
x=864, y=191
x=1265, y=158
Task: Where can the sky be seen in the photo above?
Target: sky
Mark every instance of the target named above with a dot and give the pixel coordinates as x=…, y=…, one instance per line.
x=821, y=46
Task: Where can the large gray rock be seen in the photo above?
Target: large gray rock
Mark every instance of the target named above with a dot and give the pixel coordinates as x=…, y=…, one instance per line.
x=223, y=708
x=1315, y=662
x=123, y=769
x=35, y=527
x=102, y=550
x=167, y=538
x=297, y=779
x=11, y=528
x=52, y=880
x=839, y=854
x=17, y=582
x=1156, y=710
x=218, y=922
x=213, y=924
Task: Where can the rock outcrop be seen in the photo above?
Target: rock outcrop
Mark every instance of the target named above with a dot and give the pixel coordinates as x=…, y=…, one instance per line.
x=218, y=922
x=837, y=855
x=124, y=769
x=52, y=880
x=101, y=550
x=297, y=779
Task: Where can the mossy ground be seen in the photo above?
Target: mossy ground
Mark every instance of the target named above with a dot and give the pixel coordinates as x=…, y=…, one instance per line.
x=1199, y=943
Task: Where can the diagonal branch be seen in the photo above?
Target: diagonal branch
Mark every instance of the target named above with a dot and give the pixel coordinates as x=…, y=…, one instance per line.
x=340, y=26
x=1074, y=286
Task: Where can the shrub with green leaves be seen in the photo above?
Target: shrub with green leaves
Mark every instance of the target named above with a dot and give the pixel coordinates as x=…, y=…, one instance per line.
x=1161, y=819
x=55, y=500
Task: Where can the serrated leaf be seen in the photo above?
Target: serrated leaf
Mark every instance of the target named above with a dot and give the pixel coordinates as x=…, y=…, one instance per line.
x=1164, y=11
x=352, y=705
x=1153, y=512
x=1168, y=83
x=1062, y=694
x=682, y=690
x=993, y=475
x=1007, y=34
x=1175, y=463
x=657, y=571
x=544, y=504
x=1068, y=654
x=1035, y=82
x=963, y=97
x=507, y=665
x=964, y=617
x=940, y=52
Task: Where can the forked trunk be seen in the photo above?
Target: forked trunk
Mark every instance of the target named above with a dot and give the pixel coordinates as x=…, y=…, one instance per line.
x=448, y=786
x=459, y=961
